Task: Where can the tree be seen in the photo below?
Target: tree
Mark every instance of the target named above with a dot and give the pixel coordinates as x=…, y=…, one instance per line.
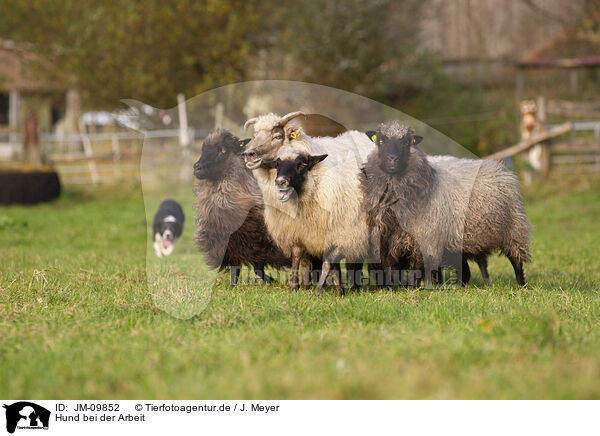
x=154, y=49
x=354, y=45
x=147, y=50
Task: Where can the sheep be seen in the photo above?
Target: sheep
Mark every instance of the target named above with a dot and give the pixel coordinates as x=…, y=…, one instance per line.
x=230, y=227
x=303, y=131
x=314, y=207
x=269, y=133
x=312, y=133
x=443, y=205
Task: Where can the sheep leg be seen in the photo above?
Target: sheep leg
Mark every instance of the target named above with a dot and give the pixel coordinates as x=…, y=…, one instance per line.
x=483, y=267
x=317, y=266
x=389, y=267
x=297, y=253
x=354, y=271
x=518, y=267
x=388, y=274
x=393, y=273
x=336, y=268
x=428, y=276
x=328, y=266
x=259, y=270
x=403, y=264
x=418, y=273
x=234, y=274
x=375, y=273
x=306, y=272
x=324, y=273
x=337, y=281
x=440, y=275
x=433, y=270
x=465, y=275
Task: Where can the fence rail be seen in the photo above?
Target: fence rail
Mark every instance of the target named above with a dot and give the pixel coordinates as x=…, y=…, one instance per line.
x=579, y=153
x=525, y=145
x=94, y=158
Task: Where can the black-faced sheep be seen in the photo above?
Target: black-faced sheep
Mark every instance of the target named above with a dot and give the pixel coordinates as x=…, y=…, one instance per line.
x=230, y=227
x=315, y=134
x=443, y=205
x=313, y=205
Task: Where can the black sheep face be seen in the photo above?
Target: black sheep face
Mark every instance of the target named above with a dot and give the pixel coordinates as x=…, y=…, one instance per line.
x=393, y=146
x=218, y=150
x=292, y=174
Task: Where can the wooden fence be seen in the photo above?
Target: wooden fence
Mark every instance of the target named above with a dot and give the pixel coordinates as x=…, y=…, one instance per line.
x=578, y=152
x=102, y=157
x=570, y=147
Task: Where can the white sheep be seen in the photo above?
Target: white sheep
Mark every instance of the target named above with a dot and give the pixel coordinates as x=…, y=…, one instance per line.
x=314, y=205
x=272, y=131
x=314, y=134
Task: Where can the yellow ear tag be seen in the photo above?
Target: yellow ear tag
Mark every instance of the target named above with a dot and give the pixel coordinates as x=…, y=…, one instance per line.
x=293, y=135
x=374, y=138
x=414, y=140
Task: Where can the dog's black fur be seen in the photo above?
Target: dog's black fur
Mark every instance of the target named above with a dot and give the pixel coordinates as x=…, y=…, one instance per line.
x=167, y=226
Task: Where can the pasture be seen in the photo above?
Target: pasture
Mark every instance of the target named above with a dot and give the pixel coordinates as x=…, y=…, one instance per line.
x=77, y=320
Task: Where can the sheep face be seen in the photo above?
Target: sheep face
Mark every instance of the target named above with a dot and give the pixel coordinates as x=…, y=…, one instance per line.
x=263, y=147
x=218, y=151
x=394, y=142
x=292, y=173
x=271, y=131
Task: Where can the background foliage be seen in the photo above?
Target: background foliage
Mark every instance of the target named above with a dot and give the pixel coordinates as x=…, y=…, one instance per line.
x=152, y=50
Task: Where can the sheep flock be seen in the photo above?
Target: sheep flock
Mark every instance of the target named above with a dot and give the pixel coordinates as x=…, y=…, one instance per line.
x=304, y=192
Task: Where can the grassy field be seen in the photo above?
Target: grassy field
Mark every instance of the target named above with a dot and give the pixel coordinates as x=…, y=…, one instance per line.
x=77, y=319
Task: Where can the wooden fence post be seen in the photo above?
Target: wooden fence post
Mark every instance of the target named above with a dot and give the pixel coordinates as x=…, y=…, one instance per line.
x=116, y=155
x=545, y=145
x=87, y=149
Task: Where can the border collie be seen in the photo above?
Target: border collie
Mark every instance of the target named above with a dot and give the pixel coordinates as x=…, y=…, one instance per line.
x=167, y=228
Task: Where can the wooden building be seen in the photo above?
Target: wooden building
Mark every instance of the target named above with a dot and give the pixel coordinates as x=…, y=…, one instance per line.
x=26, y=87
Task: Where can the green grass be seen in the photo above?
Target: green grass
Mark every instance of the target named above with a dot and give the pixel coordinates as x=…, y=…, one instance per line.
x=78, y=320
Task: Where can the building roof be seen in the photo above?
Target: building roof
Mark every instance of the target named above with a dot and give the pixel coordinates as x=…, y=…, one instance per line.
x=573, y=48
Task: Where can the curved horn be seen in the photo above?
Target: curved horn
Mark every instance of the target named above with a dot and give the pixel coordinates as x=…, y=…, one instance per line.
x=288, y=117
x=249, y=122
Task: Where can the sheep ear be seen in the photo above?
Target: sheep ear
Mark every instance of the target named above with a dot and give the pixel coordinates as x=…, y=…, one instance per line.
x=372, y=134
x=268, y=165
x=416, y=139
x=242, y=144
x=313, y=160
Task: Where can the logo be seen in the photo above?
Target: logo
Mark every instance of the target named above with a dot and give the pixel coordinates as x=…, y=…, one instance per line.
x=26, y=415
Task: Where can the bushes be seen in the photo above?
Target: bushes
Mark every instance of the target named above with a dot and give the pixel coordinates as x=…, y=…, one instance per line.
x=28, y=187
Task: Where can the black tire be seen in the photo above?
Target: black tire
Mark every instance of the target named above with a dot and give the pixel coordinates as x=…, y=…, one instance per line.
x=28, y=187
